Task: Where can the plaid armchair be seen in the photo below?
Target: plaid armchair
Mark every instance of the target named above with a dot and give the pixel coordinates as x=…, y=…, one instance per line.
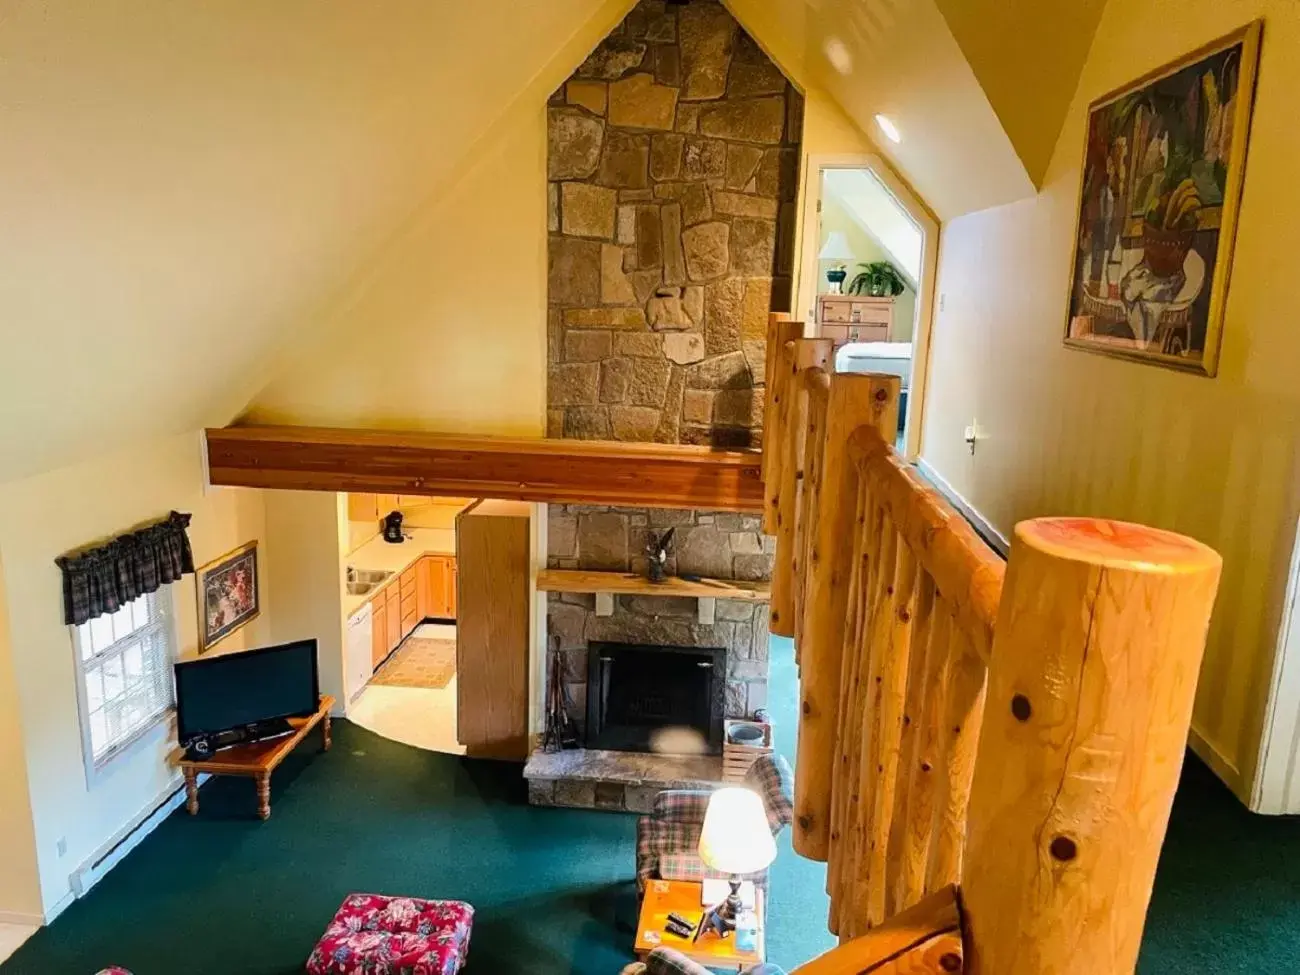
x=666, y=961
x=668, y=839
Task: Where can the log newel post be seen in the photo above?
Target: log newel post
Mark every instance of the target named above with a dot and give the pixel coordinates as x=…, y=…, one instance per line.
x=855, y=400
x=806, y=354
x=1098, y=641
x=782, y=329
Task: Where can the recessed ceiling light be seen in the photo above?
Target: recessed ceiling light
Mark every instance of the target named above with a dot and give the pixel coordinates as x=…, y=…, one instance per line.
x=837, y=53
x=888, y=127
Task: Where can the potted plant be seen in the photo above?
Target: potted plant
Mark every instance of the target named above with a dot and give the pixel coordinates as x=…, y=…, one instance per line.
x=879, y=279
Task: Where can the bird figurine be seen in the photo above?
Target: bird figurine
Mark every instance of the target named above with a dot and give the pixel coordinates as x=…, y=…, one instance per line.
x=657, y=550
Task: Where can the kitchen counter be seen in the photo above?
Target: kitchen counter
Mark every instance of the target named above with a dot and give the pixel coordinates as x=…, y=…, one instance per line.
x=396, y=556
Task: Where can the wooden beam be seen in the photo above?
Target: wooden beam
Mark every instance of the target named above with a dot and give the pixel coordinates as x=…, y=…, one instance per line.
x=560, y=471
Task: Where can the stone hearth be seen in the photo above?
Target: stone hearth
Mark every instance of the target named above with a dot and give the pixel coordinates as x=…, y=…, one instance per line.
x=618, y=781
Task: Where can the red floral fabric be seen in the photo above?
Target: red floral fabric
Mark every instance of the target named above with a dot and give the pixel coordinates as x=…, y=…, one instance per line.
x=378, y=935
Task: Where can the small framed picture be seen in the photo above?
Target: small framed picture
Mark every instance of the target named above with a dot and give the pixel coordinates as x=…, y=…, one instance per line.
x=228, y=595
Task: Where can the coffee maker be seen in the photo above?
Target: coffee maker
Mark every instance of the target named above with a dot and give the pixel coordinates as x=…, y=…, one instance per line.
x=393, y=527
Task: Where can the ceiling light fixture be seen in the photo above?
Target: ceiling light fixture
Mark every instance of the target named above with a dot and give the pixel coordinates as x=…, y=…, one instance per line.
x=888, y=127
x=837, y=53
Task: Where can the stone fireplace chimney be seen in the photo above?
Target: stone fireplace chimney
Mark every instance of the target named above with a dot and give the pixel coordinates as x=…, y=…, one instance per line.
x=673, y=166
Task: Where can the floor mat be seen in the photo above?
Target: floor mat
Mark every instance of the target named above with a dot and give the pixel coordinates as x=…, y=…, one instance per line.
x=419, y=662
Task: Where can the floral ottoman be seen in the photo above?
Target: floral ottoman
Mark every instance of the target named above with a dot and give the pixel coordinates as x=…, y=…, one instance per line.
x=381, y=935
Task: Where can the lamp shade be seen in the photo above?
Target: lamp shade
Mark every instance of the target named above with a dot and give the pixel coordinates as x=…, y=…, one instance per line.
x=735, y=837
x=836, y=248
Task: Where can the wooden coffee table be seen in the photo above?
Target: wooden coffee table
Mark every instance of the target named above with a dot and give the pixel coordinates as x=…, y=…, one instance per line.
x=256, y=760
x=711, y=951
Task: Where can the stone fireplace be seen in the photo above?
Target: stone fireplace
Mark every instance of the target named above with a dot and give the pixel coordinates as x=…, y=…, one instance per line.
x=673, y=167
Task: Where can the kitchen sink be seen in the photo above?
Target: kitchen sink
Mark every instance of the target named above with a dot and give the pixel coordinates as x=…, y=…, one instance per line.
x=363, y=581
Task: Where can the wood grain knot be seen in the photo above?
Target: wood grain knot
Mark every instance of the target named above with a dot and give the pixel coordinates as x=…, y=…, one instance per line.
x=950, y=961
x=1064, y=849
x=925, y=766
x=807, y=709
x=881, y=395
x=1020, y=707
x=805, y=822
x=904, y=616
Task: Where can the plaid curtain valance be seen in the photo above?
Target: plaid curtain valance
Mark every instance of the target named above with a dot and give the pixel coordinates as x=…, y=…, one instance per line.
x=106, y=578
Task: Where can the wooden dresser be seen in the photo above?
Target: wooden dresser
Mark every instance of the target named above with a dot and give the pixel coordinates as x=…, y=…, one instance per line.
x=855, y=318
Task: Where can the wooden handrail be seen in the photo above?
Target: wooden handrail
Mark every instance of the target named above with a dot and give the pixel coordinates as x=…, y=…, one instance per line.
x=910, y=632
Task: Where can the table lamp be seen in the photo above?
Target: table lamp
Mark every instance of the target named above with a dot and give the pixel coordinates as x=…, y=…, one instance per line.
x=735, y=839
x=836, y=248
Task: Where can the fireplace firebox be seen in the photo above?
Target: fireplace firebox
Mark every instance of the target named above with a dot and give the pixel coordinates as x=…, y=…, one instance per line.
x=655, y=698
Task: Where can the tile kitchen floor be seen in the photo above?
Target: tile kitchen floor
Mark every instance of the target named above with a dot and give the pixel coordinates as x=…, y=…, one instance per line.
x=13, y=935
x=418, y=716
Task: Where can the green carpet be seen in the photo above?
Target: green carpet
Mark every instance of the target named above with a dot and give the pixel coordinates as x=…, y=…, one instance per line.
x=224, y=894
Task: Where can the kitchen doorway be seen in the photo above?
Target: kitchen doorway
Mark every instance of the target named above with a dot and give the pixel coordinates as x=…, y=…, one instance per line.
x=866, y=279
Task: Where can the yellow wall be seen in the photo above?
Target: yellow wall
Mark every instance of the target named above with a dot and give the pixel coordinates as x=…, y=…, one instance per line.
x=20, y=887
x=307, y=531
x=189, y=190
x=827, y=131
x=1026, y=55
x=43, y=517
x=1070, y=432
x=865, y=250
x=451, y=334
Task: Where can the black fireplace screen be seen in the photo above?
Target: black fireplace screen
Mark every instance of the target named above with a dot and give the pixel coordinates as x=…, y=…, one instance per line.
x=655, y=699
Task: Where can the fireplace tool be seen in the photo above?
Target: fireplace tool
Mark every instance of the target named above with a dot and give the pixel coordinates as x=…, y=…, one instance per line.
x=559, y=733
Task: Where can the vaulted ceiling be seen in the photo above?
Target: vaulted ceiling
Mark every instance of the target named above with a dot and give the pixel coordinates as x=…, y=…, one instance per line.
x=189, y=189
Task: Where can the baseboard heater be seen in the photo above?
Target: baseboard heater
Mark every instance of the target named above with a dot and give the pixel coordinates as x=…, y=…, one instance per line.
x=127, y=839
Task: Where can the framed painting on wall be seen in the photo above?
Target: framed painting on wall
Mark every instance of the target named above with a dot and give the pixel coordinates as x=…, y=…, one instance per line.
x=228, y=596
x=1163, y=165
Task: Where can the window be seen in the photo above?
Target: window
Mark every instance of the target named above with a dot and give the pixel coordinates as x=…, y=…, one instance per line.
x=125, y=661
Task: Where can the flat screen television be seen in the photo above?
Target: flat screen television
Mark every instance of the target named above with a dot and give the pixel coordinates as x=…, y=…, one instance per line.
x=240, y=690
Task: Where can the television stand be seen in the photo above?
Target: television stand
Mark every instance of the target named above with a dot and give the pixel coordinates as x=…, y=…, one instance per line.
x=256, y=759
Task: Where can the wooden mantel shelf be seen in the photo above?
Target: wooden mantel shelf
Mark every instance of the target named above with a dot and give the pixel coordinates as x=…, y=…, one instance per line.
x=606, y=585
x=513, y=469
x=628, y=583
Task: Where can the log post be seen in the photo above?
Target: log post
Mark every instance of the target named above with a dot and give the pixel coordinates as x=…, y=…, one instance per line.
x=781, y=329
x=808, y=354
x=817, y=384
x=855, y=400
x=1098, y=641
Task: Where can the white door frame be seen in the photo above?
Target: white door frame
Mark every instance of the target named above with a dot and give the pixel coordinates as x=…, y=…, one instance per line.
x=1276, y=790
x=805, y=287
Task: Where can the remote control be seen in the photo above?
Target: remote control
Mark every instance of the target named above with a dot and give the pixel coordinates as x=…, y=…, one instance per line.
x=681, y=930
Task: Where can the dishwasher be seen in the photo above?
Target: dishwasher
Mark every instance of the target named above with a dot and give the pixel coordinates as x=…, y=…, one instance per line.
x=358, y=663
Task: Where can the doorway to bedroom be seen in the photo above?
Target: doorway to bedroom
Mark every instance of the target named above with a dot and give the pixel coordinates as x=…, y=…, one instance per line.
x=865, y=277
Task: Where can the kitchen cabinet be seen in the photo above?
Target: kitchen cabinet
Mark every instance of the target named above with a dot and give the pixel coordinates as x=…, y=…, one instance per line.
x=378, y=628
x=425, y=589
x=393, y=616
x=439, y=586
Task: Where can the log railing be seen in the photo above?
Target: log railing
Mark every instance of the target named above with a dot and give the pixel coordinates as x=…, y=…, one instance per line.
x=1013, y=730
